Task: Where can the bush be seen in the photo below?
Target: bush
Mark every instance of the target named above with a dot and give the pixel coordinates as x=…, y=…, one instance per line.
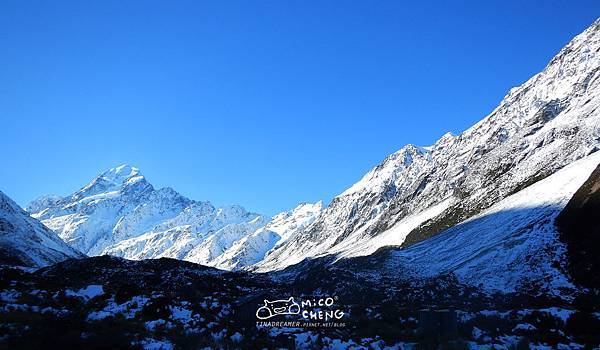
x=156, y=308
x=126, y=291
x=585, y=327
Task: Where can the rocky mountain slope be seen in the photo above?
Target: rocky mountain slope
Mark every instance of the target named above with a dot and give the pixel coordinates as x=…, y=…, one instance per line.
x=539, y=127
x=513, y=246
x=25, y=241
x=253, y=248
x=579, y=229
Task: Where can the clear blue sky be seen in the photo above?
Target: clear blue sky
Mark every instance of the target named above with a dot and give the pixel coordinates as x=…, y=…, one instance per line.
x=261, y=103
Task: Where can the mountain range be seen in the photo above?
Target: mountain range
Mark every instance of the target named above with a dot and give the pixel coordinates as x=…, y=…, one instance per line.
x=500, y=216
x=539, y=127
x=120, y=213
x=549, y=122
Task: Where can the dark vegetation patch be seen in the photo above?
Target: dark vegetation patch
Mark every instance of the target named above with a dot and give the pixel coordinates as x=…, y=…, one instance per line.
x=432, y=227
x=37, y=312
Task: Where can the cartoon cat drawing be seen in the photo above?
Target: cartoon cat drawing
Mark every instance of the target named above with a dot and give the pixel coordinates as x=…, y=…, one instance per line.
x=278, y=307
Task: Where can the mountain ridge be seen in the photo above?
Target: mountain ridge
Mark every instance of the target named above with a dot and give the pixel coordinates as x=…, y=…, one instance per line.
x=27, y=242
x=548, y=122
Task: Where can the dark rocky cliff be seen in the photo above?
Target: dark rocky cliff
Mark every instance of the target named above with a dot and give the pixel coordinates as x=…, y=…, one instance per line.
x=579, y=226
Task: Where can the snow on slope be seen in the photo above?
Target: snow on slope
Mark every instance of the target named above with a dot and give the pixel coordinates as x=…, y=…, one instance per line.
x=252, y=248
x=25, y=241
x=550, y=121
x=287, y=223
x=218, y=230
x=248, y=250
x=511, y=244
x=392, y=237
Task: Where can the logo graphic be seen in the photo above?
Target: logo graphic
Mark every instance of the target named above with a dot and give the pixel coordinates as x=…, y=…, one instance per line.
x=278, y=307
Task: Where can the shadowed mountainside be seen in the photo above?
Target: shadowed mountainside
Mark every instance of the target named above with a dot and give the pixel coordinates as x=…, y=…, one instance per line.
x=579, y=226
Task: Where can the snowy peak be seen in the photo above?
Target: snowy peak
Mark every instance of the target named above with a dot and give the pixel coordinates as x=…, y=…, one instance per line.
x=386, y=173
x=304, y=209
x=443, y=142
x=298, y=214
x=121, y=174
x=114, y=179
x=87, y=219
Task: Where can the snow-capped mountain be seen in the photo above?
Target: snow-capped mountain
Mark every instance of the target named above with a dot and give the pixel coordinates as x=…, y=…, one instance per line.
x=120, y=213
x=25, y=241
x=116, y=205
x=550, y=121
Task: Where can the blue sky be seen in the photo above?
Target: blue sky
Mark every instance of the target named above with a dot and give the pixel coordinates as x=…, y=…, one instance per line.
x=261, y=103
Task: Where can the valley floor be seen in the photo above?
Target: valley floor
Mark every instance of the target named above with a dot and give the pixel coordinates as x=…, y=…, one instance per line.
x=111, y=303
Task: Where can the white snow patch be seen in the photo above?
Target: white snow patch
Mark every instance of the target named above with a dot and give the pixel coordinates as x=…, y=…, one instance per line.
x=89, y=292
